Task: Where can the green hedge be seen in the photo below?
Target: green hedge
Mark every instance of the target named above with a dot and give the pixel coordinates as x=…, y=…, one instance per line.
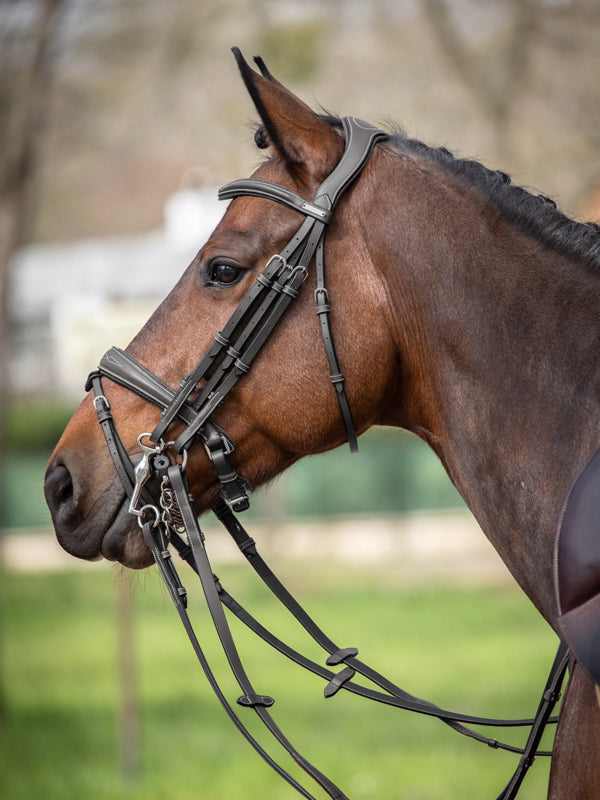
x=34, y=427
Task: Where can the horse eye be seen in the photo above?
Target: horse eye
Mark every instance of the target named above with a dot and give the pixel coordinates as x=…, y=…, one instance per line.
x=224, y=274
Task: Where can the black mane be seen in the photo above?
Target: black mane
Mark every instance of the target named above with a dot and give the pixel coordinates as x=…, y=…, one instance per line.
x=535, y=214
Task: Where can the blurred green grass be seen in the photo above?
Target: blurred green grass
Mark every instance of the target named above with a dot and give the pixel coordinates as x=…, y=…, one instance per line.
x=480, y=650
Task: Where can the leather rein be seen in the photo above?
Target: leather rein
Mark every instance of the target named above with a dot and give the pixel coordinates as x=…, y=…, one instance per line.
x=159, y=495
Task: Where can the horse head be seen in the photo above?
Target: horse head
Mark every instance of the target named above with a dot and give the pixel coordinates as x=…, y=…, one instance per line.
x=285, y=407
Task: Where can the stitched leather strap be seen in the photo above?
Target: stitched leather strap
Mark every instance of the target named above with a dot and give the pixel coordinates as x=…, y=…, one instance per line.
x=195, y=554
x=550, y=696
x=229, y=357
x=234, y=347
x=221, y=341
x=151, y=536
x=255, y=187
x=250, y=697
x=214, y=597
x=335, y=374
x=121, y=368
x=361, y=138
x=238, y=362
x=401, y=698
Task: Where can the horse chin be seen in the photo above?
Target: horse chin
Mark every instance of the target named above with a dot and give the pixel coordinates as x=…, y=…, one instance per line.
x=115, y=537
x=123, y=542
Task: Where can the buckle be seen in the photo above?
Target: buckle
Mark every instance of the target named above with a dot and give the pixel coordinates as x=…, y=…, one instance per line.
x=104, y=400
x=232, y=487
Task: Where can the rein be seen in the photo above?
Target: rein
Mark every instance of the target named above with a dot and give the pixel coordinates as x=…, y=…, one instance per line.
x=159, y=495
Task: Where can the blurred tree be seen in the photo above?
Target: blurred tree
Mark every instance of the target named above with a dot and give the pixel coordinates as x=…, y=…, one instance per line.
x=529, y=63
x=28, y=32
x=293, y=49
x=494, y=82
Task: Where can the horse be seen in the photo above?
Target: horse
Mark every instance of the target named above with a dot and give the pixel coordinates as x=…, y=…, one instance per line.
x=463, y=308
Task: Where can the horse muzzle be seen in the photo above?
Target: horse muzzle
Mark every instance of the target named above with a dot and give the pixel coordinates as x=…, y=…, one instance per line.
x=92, y=524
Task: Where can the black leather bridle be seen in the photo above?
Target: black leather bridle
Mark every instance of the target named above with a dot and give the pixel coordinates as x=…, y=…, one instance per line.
x=159, y=495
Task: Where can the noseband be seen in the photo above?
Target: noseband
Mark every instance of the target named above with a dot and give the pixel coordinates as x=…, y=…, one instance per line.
x=160, y=498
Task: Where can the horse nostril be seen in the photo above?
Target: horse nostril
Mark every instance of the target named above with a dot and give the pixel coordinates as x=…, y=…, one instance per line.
x=58, y=488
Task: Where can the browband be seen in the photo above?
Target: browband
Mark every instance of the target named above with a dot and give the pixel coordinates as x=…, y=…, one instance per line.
x=256, y=187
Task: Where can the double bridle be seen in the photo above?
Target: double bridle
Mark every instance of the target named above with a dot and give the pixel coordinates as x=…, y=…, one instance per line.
x=160, y=498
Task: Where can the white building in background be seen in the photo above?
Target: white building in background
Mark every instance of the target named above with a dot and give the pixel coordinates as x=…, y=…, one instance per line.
x=71, y=302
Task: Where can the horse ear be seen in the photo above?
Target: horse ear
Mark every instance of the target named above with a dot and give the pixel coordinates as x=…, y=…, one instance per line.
x=307, y=143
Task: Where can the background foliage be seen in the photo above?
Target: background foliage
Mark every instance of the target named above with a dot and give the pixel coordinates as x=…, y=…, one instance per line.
x=143, y=90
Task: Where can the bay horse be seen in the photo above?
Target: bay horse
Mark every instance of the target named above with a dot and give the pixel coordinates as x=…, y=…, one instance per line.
x=463, y=309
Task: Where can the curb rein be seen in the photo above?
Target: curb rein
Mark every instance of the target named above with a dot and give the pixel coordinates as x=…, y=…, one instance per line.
x=171, y=518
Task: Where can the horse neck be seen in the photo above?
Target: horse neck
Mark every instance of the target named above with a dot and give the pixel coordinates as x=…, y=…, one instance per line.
x=498, y=340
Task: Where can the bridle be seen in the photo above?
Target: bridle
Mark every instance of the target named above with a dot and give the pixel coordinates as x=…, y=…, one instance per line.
x=159, y=494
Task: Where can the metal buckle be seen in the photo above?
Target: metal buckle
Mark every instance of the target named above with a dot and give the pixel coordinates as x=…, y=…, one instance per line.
x=104, y=400
x=283, y=263
x=321, y=290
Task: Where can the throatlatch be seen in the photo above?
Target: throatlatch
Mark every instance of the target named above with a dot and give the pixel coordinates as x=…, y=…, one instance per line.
x=160, y=497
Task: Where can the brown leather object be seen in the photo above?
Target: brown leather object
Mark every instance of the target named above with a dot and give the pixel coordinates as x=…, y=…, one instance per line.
x=581, y=630
x=577, y=568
